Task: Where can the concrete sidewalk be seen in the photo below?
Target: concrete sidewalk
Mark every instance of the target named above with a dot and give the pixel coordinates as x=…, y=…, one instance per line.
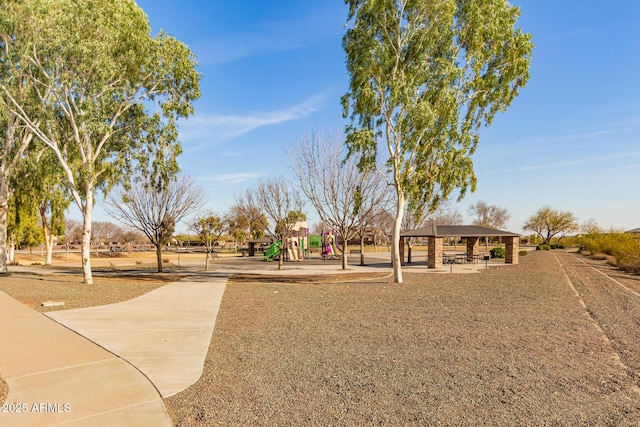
x=57, y=377
x=164, y=333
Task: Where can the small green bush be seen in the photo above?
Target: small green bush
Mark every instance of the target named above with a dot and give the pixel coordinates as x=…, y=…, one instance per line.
x=543, y=247
x=523, y=253
x=556, y=246
x=498, y=252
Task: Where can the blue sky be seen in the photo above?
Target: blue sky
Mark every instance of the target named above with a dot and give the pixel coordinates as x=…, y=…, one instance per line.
x=274, y=70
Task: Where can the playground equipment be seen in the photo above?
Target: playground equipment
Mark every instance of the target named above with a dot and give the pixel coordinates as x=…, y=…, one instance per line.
x=328, y=245
x=272, y=251
x=297, y=246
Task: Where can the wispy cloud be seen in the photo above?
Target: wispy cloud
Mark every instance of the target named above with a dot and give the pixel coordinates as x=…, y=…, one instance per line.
x=267, y=37
x=594, y=30
x=567, y=163
x=232, y=178
x=218, y=128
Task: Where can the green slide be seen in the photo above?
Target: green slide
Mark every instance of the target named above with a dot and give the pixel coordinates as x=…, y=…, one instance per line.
x=271, y=252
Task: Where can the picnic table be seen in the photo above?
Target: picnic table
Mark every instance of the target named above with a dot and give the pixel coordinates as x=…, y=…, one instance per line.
x=462, y=259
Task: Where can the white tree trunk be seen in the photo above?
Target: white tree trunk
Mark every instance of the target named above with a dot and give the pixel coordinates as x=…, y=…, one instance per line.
x=395, y=245
x=48, y=243
x=87, y=210
x=4, y=208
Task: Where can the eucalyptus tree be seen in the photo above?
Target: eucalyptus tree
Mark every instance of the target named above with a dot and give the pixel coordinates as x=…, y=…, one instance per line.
x=425, y=76
x=40, y=179
x=108, y=93
x=345, y=199
x=14, y=139
x=22, y=223
x=155, y=213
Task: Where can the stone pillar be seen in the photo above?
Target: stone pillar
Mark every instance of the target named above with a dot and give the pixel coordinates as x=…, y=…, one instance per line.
x=512, y=247
x=434, y=259
x=401, y=251
x=473, y=248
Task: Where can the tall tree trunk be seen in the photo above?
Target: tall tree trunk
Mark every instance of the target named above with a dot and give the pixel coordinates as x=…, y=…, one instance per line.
x=48, y=243
x=11, y=249
x=362, y=249
x=4, y=208
x=206, y=260
x=48, y=236
x=159, y=256
x=87, y=210
x=281, y=257
x=395, y=244
x=344, y=253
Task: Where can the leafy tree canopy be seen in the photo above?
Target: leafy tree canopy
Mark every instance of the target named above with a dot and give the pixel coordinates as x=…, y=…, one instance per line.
x=425, y=76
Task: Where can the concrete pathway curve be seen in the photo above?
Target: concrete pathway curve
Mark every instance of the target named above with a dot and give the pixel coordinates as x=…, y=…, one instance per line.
x=164, y=333
x=58, y=378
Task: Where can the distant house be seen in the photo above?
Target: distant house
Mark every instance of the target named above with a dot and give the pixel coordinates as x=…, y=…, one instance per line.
x=635, y=231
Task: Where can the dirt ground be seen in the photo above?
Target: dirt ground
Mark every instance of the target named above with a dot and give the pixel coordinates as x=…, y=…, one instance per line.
x=509, y=346
x=34, y=289
x=548, y=342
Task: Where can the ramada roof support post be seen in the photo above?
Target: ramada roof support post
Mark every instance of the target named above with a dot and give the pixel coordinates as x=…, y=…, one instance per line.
x=512, y=247
x=436, y=246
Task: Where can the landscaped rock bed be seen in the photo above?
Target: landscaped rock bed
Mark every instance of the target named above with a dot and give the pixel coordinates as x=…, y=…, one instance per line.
x=3, y=391
x=509, y=346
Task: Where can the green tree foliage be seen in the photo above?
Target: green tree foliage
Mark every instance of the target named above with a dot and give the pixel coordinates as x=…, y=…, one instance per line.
x=425, y=76
x=14, y=139
x=22, y=223
x=549, y=223
x=209, y=229
x=108, y=94
x=41, y=181
x=246, y=221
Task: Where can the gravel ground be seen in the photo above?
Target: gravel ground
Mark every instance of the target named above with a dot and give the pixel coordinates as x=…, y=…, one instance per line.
x=3, y=391
x=509, y=346
x=33, y=289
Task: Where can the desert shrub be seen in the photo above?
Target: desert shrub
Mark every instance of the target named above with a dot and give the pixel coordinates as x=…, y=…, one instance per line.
x=556, y=246
x=620, y=249
x=165, y=260
x=498, y=252
x=523, y=253
x=543, y=247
